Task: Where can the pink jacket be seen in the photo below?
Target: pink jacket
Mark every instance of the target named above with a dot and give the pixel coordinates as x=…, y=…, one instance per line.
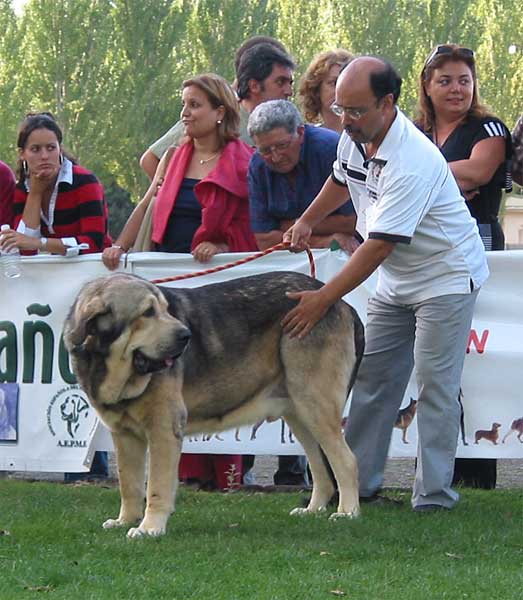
x=223, y=195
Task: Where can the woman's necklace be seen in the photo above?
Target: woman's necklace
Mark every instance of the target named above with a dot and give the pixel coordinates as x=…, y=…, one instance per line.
x=202, y=161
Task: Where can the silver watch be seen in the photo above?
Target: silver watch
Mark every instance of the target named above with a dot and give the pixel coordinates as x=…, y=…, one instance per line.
x=43, y=244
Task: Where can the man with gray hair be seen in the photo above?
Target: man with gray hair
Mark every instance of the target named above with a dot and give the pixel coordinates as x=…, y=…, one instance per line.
x=291, y=164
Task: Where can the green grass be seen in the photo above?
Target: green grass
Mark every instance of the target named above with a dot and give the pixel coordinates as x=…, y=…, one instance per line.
x=238, y=546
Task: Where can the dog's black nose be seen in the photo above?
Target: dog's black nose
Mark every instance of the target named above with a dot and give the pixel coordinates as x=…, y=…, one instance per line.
x=183, y=336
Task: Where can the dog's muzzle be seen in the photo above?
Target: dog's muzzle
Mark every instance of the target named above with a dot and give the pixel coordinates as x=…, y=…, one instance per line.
x=144, y=364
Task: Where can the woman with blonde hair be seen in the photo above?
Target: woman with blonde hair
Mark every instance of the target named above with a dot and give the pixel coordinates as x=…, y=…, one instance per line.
x=318, y=85
x=202, y=207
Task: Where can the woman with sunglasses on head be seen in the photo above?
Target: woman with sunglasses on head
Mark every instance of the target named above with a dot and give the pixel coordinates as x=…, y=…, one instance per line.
x=59, y=206
x=318, y=87
x=477, y=146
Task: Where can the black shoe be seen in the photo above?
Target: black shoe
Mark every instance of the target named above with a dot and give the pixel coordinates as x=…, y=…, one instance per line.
x=430, y=508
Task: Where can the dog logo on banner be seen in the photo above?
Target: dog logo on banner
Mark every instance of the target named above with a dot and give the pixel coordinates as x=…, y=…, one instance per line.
x=70, y=418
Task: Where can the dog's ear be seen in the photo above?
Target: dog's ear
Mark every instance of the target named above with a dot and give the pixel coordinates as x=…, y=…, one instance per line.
x=82, y=321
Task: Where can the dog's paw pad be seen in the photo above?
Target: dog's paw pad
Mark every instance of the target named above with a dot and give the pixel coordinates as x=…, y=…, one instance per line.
x=344, y=515
x=300, y=511
x=112, y=523
x=138, y=532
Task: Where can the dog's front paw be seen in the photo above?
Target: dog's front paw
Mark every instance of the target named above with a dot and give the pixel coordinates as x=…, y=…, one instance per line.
x=354, y=514
x=301, y=511
x=139, y=532
x=112, y=523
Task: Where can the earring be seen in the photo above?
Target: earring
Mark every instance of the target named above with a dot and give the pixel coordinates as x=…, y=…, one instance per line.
x=61, y=158
x=219, y=121
x=25, y=167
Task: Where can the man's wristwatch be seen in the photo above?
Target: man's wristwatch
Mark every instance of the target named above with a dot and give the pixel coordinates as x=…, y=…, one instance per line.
x=43, y=244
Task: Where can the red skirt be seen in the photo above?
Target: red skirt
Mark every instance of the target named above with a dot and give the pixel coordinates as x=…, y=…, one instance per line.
x=223, y=470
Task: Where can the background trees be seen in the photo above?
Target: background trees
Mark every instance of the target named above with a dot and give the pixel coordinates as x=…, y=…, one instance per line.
x=111, y=70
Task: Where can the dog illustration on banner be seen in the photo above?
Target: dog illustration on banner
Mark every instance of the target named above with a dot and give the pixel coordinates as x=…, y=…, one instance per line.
x=492, y=434
x=158, y=363
x=405, y=418
x=282, y=430
x=515, y=427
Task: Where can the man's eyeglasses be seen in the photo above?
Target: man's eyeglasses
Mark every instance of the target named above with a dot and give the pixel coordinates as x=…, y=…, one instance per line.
x=444, y=49
x=278, y=148
x=352, y=113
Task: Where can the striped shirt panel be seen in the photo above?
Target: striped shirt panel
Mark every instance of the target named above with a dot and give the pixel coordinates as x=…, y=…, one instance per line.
x=80, y=211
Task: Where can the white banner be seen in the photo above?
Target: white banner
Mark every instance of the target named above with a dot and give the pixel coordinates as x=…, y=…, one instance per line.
x=46, y=423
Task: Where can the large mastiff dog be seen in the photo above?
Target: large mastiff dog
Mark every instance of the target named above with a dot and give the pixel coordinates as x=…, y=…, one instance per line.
x=158, y=363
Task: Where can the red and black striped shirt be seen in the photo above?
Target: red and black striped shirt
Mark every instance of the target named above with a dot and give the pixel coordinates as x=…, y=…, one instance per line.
x=80, y=211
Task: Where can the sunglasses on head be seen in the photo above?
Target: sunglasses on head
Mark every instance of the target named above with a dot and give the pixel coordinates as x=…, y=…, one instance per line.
x=448, y=50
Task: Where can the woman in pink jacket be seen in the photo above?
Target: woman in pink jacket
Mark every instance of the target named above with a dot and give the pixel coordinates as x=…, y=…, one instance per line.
x=202, y=207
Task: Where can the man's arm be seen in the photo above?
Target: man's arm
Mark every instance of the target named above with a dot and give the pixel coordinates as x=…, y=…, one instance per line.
x=331, y=196
x=335, y=224
x=313, y=305
x=151, y=157
x=149, y=163
x=269, y=239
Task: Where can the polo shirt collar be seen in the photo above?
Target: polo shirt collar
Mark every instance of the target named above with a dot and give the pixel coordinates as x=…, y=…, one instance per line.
x=391, y=141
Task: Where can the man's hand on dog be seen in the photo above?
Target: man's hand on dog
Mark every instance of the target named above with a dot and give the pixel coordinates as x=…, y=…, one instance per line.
x=311, y=307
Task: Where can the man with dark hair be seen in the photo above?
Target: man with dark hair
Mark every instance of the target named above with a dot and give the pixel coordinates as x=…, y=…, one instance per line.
x=265, y=69
x=424, y=244
x=264, y=73
x=254, y=41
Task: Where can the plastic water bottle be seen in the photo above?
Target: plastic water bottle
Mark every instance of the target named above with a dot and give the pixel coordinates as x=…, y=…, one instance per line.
x=10, y=259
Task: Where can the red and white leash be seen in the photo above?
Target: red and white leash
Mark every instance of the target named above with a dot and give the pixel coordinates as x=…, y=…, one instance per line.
x=280, y=246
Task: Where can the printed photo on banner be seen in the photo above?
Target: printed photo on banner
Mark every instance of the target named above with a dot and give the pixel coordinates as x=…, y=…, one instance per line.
x=8, y=412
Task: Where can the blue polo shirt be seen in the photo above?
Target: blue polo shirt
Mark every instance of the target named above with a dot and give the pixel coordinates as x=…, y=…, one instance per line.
x=272, y=198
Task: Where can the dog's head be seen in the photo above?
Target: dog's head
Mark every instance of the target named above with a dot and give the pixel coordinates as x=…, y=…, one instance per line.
x=120, y=328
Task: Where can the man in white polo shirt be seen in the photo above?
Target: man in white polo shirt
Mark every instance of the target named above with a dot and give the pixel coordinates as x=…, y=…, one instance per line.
x=421, y=238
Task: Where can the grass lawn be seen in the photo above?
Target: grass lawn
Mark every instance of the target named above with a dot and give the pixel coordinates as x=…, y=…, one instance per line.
x=239, y=546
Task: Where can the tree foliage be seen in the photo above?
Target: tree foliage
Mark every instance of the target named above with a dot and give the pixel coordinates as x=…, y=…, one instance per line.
x=111, y=70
